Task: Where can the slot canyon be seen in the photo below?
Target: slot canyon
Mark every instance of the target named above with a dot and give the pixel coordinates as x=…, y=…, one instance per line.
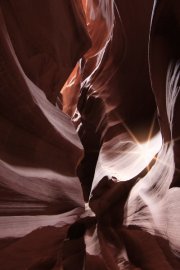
x=89, y=135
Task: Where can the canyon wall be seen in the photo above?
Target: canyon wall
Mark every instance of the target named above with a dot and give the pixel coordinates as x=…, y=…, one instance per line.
x=89, y=134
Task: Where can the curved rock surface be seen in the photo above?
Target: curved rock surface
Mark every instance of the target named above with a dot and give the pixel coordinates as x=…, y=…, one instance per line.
x=89, y=135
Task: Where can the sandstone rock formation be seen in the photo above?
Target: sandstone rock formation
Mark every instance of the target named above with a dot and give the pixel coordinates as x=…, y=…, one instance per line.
x=89, y=134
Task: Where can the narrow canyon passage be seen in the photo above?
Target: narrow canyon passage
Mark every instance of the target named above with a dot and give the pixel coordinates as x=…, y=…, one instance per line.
x=89, y=134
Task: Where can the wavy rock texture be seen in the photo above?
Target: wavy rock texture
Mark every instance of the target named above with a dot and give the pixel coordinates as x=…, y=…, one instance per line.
x=89, y=175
